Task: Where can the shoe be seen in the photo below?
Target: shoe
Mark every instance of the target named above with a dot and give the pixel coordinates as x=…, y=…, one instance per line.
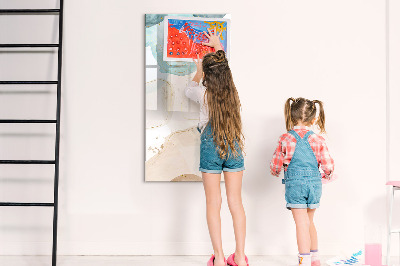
x=304, y=260
x=316, y=263
x=315, y=258
x=231, y=260
x=211, y=261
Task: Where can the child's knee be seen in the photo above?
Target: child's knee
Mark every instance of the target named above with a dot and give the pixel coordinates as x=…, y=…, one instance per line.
x=234, y=202
x=303, y=223
x=214, y=202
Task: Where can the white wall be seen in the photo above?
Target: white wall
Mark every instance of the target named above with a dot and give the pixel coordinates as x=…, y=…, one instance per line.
x=333, y=51
x=393, y=109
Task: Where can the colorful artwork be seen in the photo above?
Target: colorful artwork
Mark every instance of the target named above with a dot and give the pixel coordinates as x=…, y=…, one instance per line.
x=183, y=37
x=172, y=140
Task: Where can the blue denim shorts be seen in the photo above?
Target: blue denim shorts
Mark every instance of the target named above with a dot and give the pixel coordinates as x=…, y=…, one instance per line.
x=210, y=160
x=303, y=193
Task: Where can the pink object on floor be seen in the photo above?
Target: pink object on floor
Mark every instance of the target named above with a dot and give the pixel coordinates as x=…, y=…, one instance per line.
x=316, y=263
x=231, y=260
x=211, y=261
x=373, y=254
x=333, y=178
x=393, y=183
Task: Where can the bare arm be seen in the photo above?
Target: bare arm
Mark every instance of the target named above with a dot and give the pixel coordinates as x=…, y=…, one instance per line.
x=199, y=74
x=213, y=41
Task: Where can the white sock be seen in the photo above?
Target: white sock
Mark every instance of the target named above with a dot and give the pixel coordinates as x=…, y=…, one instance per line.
x=314, y=255
x=305, y=260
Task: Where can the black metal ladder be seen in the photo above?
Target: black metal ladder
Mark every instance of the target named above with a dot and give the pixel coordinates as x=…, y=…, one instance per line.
x=57, y=82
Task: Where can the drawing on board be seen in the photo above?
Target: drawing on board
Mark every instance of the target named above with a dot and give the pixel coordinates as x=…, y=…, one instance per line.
x=172, y=140
x=183, y=37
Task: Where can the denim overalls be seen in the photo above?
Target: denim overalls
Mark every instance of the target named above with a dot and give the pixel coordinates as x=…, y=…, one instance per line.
x=302, y=181
x=211, y=162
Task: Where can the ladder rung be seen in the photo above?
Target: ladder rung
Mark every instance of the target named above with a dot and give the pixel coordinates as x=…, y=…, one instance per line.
x=33, y=204
x=33, y=45
x=27, y=121
x=29, y=82
x=27, y=161
x=7, y=11
x=395, y=231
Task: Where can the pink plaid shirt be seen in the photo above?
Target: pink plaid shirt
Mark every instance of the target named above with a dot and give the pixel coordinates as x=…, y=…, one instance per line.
x=287, y=144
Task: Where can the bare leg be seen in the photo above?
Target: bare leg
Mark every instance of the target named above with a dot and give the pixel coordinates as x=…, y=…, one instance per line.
x=211, y=183
x=233, y=184
x=302, y=221
x=313, y=230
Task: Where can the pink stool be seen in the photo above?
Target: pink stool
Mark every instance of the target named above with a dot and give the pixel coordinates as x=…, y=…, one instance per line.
x=394, y=185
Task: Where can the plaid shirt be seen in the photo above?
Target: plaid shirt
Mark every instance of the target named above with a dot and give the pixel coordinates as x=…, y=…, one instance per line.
x=287, y=144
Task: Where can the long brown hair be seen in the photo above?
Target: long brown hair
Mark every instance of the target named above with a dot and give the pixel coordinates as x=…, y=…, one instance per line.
x=303, y=110
x=223, y=104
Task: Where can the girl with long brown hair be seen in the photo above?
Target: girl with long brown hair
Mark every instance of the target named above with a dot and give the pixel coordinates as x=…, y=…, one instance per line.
x=221, y=147
x=302, y=153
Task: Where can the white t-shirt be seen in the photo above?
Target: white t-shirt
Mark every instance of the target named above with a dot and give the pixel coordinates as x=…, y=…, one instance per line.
x=196, y=92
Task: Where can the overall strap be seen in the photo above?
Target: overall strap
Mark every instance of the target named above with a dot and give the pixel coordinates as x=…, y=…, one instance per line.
x=294, y=133
x=303, y=164
x=308, y=134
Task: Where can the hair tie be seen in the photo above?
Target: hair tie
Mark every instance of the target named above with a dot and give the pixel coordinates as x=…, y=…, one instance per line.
x=218, y=64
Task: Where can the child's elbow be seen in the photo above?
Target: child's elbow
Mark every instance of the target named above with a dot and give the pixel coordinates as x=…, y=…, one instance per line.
x=187, y=92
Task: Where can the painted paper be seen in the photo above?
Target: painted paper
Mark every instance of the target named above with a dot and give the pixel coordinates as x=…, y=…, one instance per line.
x=183, y=37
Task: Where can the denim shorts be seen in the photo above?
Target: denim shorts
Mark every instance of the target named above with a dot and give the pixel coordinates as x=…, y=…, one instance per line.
x=303, y=193
x=210, y=160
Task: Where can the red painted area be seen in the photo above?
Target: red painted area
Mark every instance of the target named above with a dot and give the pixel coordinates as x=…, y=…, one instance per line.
x=181, y=46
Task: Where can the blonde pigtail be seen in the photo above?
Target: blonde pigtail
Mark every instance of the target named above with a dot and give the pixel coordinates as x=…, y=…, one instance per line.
x=288, y=114
x=321, y=116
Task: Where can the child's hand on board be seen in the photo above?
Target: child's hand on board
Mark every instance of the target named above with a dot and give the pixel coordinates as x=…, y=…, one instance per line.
x=199, y=64
x=213, y=39
x=199, y=73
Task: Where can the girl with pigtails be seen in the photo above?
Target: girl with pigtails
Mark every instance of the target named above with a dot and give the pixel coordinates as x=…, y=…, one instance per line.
x=302, y=154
